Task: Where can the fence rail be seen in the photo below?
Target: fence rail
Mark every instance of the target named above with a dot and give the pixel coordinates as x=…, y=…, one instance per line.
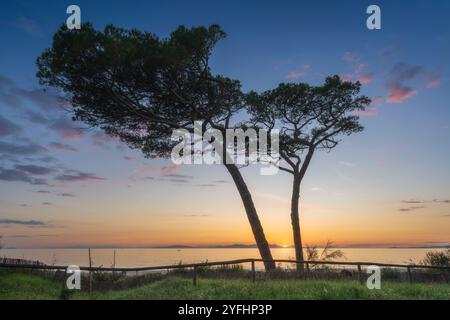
x=35, y=265
x=221, y=263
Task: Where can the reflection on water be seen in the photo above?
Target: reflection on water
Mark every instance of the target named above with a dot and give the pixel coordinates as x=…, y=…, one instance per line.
x=154, y=257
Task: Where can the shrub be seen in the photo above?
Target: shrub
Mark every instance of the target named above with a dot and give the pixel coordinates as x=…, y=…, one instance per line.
x=437, y=258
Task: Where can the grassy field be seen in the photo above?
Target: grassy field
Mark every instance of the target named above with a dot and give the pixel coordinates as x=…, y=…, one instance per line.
x=25, y=286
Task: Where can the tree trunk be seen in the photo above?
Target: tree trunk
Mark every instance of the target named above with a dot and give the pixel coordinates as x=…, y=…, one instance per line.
x=295, y=221
x=252, y=215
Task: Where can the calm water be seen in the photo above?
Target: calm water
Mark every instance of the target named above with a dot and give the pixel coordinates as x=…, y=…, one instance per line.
x=154, y=257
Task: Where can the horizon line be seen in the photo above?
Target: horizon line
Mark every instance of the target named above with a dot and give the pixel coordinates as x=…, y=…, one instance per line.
x=437, y=245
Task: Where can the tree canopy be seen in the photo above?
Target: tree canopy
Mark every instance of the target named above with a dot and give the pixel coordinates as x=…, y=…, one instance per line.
x=137, y=86
x=309, y=117
x=140, y=88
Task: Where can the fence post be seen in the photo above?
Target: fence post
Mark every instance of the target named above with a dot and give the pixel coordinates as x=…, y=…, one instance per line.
x=90, y=272
x=409, y=275
x=253, y=271
x=307, y=270
x=195, y=276
x=360, y=274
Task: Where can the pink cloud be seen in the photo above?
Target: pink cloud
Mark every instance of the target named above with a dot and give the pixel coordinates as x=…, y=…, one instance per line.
x=376, y=101
x=371, y=110
x=399, y=81
x=434, y=83
x=170, y=169
x=351, y=56
x=359, y=75
x=101, y=139
x=360, y=67
x=365, y=78
x=294, y=75
x=56, y=146
x=64, y=128
x=398, y=94
x=79, y=176
x=368, y=112
x=347, y=77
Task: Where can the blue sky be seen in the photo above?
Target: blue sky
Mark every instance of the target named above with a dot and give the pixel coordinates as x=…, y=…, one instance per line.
x=62, y=185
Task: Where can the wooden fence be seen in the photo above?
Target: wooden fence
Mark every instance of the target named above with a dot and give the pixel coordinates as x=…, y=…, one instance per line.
x=195, y=266
x=13, y=261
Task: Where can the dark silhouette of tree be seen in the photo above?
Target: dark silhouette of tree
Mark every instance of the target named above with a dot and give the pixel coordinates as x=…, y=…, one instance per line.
x=138, y=87
x=310, y=118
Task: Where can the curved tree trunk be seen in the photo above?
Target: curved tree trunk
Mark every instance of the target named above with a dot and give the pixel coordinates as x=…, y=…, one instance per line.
x=295, y=221
x=252, y=215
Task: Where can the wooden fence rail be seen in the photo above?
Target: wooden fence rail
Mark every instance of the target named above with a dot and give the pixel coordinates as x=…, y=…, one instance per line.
x=220, y=263
x=6, y=263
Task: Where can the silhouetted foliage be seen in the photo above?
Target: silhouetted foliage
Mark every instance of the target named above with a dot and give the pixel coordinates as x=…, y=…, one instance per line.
x=310, y=118
x=437, y=258
x=139, y=87
x=328, y=253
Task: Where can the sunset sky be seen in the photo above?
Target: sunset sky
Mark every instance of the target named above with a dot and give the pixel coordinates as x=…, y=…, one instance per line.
x=62, y=185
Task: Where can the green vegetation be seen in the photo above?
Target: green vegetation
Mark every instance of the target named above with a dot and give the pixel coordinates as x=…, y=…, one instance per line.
x=18, y=286
x=437, y=259
x=29, y=286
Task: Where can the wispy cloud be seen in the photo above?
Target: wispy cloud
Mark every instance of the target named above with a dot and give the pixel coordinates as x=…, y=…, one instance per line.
x=8, y=128
x=401, y=79
x=21, y=149
x=360, y=74
x=346, y=164
x=66, y=129
x=398, y=93
x=70, y=195
x=176, y=178
x=37, y=118
x=221, y=181
x=442, y=201
x=181, y=176
x=413, y=201
x=6, y=82
x=367, y=112
x=351, y=56
x=196, y=215
x=14, y=175
x=30, y=26
x=34, y=169
x=80, y=176
x=295, y=75
x=170, y=169
x=42, y=191
x=365, y=78
x=411, y=208
x=57, y=146
x=419, y=204
x=371, y=110
x=22, y=222
x=434, y=83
